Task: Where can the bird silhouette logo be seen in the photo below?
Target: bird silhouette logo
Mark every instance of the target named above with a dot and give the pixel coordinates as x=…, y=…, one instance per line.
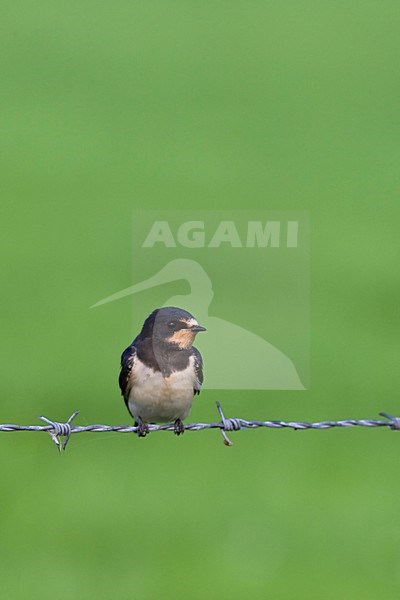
x=235, y=357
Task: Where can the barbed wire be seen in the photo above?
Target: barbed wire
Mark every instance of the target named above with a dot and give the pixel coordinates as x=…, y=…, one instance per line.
x=64, y=430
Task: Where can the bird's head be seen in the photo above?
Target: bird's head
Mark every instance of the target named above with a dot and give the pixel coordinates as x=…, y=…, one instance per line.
x=172, y=326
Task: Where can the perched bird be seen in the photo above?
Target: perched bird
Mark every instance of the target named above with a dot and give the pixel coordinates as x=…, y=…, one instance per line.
x=161, y=371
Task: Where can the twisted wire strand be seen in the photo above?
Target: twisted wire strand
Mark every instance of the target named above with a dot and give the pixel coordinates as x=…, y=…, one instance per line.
x=64, y=430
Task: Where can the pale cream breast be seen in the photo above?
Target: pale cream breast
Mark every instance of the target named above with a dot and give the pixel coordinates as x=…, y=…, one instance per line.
x=161, y=399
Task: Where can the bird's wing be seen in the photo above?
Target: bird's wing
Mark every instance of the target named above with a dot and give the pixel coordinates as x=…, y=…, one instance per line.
x=198, y=367
x=125, y=376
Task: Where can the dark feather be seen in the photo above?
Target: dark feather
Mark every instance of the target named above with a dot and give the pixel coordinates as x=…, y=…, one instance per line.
x=198, y=366
x=125, y=380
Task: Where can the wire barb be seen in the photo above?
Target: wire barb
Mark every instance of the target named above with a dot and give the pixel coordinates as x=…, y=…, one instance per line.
x=60, y=429
x=227, y=425
x=394, y=422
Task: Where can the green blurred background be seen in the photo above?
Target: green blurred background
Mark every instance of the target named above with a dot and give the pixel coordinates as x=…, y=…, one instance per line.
x=107, y=107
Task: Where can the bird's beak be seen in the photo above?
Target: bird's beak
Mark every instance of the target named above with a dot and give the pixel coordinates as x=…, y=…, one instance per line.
x=197, y=328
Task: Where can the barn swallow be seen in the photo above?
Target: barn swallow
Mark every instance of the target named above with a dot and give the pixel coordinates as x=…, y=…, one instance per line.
x=161, y=371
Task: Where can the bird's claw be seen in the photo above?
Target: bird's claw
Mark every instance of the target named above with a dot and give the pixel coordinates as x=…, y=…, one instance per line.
x=142, y=428
x=179, y=427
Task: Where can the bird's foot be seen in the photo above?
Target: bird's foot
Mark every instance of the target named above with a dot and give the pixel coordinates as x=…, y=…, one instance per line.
x=142, y=428
x=179, y=427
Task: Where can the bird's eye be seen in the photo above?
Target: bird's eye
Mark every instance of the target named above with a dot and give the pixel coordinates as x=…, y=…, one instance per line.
x=171, y=325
